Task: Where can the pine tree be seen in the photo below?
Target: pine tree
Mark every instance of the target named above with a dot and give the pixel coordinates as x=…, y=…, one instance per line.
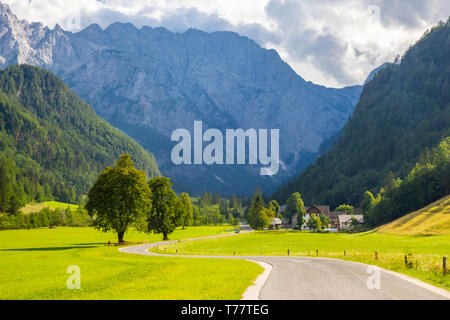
x=253, y=217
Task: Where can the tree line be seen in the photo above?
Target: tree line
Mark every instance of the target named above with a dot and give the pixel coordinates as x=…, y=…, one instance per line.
x=45, y=218
x=179, y=211
x=233, y=206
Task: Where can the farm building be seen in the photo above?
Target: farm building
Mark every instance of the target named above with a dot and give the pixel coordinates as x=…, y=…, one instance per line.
x=346, y=220
x=275, y=224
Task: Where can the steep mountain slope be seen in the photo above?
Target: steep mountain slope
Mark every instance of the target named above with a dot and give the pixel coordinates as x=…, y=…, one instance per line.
x=431, y=220
x=149, y=82
x=404, y=109
x=51, y=142
x=375, y=71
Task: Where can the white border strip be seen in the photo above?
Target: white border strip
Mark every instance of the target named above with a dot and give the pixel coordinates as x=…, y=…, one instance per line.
x=419, y=283
x=252, y=292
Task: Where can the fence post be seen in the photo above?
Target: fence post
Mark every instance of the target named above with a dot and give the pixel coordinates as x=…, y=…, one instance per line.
x=444, y=265
x=288, y=251
x=376, y=255
x=406, y=260
x=317, y=252
x=234, y=253
x=345, y=253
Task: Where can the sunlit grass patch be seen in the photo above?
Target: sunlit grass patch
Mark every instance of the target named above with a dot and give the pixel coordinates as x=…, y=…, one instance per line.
x=38, y=206
x=431, y=220
x=34, y=264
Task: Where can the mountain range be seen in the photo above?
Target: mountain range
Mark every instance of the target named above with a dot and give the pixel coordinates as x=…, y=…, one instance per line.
x=150, y=81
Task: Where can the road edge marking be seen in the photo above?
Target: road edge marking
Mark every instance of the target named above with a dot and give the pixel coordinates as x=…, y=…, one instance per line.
x=252, y=292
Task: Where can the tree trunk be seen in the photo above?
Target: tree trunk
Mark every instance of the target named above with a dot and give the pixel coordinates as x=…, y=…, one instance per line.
x=165, y=236
x=120, y=236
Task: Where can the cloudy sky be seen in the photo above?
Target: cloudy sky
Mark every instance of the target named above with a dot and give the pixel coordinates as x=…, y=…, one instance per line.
x=333, y=43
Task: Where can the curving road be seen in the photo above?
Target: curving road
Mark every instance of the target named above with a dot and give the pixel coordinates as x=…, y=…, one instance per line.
x=304, y=278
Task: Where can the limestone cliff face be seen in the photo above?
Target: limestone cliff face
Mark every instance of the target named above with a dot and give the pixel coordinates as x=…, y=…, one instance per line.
x=150, y=81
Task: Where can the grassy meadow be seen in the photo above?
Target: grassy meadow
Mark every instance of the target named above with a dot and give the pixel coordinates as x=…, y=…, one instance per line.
x=424, y=253
x=34, y=264
x=38, y=206
x=432, y=220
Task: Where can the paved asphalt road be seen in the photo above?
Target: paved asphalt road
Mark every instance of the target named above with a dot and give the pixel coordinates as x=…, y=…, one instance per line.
x=304, y=278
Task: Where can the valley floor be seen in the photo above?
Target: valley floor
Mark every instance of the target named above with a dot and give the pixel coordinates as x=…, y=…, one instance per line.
x=34, y=266
x=34, y=262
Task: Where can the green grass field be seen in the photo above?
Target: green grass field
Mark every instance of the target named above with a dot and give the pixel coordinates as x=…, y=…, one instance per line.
x=36, y=207
x=431, y=220
x=424, y=253
x=33, y=265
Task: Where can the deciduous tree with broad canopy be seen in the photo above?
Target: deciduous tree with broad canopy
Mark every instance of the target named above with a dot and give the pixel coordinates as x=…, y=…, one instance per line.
x=119, y=198
x=163, y=218
x=186, y=212
x=314, y=223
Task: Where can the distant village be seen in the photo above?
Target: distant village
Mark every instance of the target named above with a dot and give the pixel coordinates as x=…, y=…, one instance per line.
x=339, y=221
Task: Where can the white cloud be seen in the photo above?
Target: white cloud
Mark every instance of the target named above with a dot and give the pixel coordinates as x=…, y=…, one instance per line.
x=327, y=42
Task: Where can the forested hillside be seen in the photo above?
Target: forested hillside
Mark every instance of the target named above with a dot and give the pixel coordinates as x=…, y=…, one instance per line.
x=427, y=182
x=52, y=144
x=403, y=110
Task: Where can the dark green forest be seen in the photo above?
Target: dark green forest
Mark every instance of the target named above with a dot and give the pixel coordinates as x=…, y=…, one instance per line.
x=52, y=144
x=402, y=111
x=427, y=182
